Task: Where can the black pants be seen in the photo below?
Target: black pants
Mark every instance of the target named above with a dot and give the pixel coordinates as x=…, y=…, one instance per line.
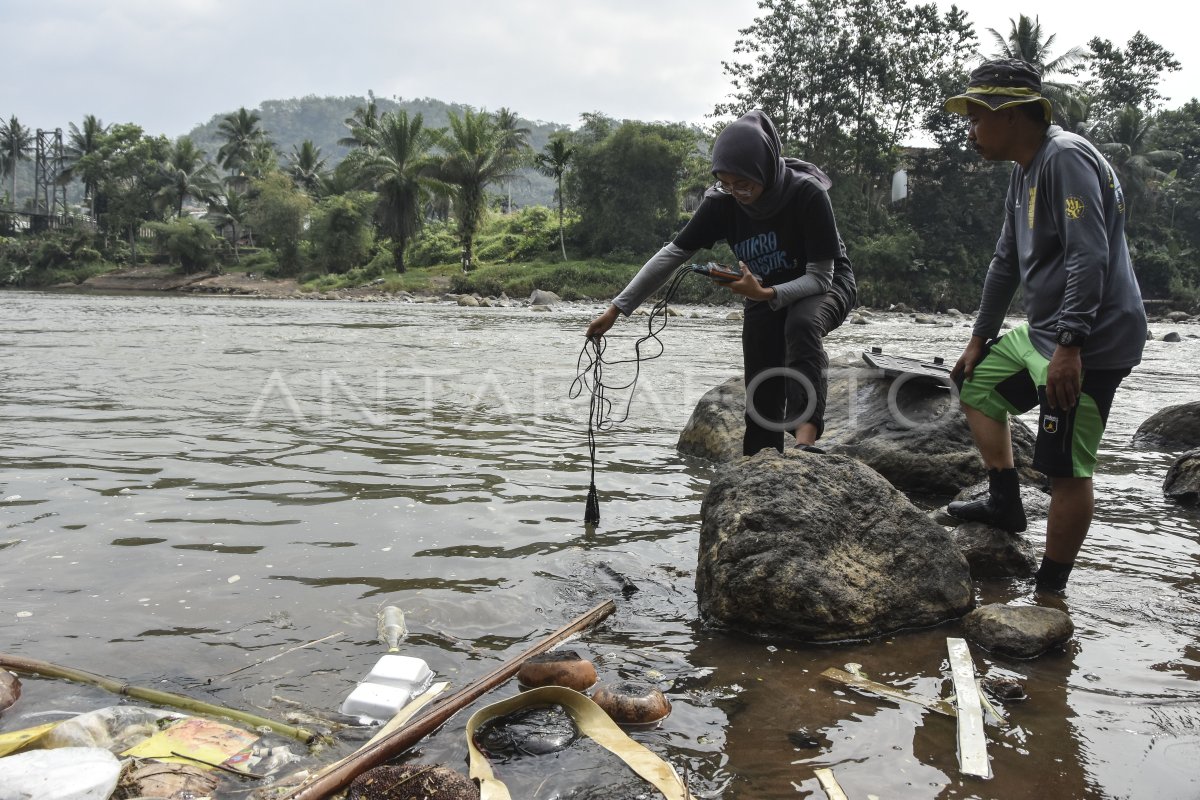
x=786, y=366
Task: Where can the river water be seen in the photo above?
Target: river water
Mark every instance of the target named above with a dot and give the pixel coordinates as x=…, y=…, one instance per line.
x=191, y=487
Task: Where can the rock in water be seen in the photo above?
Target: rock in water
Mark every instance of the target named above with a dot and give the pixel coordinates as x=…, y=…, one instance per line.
x=822, y=548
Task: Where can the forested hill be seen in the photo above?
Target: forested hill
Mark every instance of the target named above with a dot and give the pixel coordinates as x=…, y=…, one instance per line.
x=322, y=119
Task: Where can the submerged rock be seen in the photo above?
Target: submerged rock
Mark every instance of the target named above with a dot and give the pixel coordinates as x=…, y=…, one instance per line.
x=1171, y=428
x=822, y=548
x=541, y=297
x=1182, y=483
x=1019, y=631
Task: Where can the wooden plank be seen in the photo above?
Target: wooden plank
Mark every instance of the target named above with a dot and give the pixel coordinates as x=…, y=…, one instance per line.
x=890, y=692
x=972, y=742
x=829, y=783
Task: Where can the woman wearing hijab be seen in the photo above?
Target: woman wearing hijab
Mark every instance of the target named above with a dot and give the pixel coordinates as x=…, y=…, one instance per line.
x=775, y=214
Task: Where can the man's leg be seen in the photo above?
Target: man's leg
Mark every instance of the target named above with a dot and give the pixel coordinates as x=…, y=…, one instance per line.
x=992, y=437
x=1071, y=504
x=1000, y=386
x=1067, y=451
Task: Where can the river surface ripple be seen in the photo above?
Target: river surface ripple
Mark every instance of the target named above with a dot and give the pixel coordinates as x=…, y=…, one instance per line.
x=190, y=486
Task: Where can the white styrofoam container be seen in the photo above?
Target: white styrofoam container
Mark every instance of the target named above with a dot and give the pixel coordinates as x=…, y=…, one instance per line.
x=400, y=671
x=376, y=702
x=388, y=687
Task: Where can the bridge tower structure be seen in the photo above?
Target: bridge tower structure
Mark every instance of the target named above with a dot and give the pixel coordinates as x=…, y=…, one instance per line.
x=49, y=195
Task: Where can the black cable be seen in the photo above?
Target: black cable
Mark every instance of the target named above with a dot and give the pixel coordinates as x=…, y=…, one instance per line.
x=590, y=376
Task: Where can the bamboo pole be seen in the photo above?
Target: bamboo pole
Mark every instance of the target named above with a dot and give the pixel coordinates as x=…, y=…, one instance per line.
x=30, y=666
x=382, y=750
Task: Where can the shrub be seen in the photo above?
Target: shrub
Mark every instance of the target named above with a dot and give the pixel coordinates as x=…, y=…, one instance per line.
x=340, y=232
x=438, y=243
x=190, y=242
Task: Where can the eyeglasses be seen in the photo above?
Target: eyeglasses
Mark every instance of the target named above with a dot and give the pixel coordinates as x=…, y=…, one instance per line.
x=742, y=187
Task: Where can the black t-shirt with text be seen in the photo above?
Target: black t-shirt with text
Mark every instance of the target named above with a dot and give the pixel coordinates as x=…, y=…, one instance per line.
x=775, y=249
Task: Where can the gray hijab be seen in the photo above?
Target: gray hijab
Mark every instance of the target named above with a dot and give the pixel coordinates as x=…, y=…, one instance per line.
x=750, y=148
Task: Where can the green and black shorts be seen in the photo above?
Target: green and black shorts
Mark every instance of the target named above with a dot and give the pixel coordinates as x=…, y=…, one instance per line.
x=1011, y=379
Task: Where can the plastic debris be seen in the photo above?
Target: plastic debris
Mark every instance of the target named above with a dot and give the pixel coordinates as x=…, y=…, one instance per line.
x=66, y=773
x=194, y=740
x=10, y=689
x=115, y=728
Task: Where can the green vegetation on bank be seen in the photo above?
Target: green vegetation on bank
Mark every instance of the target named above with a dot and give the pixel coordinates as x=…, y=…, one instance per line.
x=423, y=195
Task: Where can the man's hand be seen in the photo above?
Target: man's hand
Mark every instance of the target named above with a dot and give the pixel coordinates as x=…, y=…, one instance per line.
x=748, y=285
x=964, y=368
x=600, y=325
x=1064, y=377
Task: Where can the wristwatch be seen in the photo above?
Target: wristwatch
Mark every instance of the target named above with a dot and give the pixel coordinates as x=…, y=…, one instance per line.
x=1069, y=338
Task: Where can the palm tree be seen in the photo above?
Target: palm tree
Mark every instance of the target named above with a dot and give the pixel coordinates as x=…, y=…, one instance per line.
x=476, y=157
x=515, y=139
x=83, y=142
x=306, y=167
x=552, y=162
x=363, y=124
x=232, y=209
x=1025, y=41
x=264, y=159
x=16, y=143
x=400, y=169
x=187, y=174
x=1125, y=141
x=241, y=132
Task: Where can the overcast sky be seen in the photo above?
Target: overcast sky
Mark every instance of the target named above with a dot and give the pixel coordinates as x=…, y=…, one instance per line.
x=168, y=65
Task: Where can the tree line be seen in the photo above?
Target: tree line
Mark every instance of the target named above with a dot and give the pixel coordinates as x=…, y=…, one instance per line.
x=854, y=86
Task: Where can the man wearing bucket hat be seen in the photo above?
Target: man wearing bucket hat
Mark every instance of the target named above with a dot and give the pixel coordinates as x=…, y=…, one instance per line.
x=1063, y=244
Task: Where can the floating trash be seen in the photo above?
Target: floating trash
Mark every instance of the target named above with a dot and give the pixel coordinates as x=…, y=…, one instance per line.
x=391, y=628
x=391, y=683
x=534, y=731
x=557, y=668
x=10, y=689
x=632, y=703
x=412, y=782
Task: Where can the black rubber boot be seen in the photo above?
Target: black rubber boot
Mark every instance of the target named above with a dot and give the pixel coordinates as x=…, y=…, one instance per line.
x=1052, y=576
x=1001, y=508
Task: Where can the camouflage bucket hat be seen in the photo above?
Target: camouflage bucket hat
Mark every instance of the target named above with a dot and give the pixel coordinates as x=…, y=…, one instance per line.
x=998, y=84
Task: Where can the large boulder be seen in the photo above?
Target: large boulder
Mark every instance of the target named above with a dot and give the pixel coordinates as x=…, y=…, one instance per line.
x=1182, y=483
x=717, y=424
x=1171, y=428
x=822, y=548
x=912, y=432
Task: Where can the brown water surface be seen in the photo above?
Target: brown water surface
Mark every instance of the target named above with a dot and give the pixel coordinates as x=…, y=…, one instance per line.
x=190, y=486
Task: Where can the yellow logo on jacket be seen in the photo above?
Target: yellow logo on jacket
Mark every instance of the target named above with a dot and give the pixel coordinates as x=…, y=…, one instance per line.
x=1075, y=207
x=1032, y=200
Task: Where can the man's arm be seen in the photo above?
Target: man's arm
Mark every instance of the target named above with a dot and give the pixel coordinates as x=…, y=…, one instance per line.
x=1003, y=278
